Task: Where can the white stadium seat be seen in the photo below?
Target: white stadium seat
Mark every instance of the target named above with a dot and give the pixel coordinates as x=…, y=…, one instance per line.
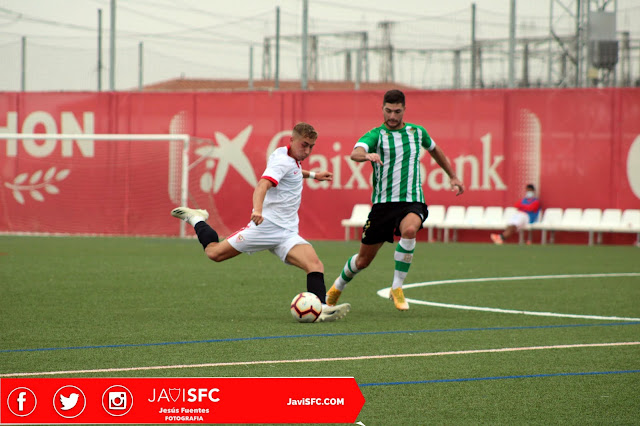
x=493, y=218
x=590, y=221
x=630, y=220
x=434, y=221
x=570, y=219
x=568, y=222
x=358, y=218
x=610, y=220
x=551, y=218
x=453, y=219
x=473, y=217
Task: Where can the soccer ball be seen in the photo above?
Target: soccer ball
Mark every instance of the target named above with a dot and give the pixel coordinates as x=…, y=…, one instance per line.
x=306, y=307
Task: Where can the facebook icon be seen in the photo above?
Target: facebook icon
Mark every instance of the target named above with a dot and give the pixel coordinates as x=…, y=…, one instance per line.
x=22, y=401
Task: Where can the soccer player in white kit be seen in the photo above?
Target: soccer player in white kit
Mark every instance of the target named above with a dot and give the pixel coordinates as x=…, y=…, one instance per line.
x=274, y=218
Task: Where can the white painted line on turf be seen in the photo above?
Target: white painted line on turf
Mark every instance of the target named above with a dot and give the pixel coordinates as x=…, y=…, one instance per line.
x=349, y=358
x=385, y=294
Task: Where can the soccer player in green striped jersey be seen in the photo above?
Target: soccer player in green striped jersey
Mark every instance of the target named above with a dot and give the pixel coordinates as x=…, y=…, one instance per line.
x=398, y=201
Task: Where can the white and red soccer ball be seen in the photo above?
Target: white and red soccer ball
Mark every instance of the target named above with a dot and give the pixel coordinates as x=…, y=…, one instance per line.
x=306, y=307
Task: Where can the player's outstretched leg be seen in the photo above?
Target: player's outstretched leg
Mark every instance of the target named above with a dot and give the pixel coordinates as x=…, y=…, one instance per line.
x=196, y=218
x=187, y=214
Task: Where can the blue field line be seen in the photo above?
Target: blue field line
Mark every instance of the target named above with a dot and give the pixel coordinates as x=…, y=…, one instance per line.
x=477, y=379
x=296, y=336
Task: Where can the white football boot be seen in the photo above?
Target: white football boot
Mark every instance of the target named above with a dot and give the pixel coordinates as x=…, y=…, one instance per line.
x=333, y=313
x=185, y=213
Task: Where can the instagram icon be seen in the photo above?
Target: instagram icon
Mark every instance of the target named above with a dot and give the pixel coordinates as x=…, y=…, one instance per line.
x=117, y=400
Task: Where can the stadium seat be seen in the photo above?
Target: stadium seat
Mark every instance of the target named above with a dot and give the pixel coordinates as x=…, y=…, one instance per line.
x=473, y=216
x=493, y=218
x=358, y=218
x=590, y=221
x=551, y=218
x=453, y=219
x=630, y=222
x=434, y=221
x=569, y=222
x=570, y=218
x=610, y=220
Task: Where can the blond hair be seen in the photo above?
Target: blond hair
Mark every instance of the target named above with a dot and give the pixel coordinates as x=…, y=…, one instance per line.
x=306, y=131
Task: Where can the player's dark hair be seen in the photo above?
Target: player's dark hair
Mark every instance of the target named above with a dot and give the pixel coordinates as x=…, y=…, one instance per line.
x=306, y=131
x=393, y=96
x=530, y=187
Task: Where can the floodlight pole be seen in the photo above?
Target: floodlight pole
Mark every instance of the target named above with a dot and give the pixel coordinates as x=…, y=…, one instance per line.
x=474, y=47
x=99, y=50
x=140, y=65
x=305, y=40
x=512, y=44
x=251, y=67
x=276, y=79
x=112, y=48
x=23, y=65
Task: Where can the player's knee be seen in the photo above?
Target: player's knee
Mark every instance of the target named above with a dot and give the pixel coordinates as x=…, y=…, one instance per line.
x=316, y=266
x=410, y=232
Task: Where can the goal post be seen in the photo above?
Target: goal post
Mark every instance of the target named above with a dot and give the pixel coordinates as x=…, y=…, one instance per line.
x=48, y=180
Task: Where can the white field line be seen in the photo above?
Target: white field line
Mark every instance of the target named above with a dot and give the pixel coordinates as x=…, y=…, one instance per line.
x=526, y=278
x=385, y=294
x=293, y=361
x=513, y=311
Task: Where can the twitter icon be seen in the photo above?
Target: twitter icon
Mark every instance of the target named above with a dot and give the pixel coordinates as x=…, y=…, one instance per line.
x=68, y=402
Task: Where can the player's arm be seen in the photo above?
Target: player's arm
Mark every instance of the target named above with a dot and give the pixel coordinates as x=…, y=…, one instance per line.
x=442, y=161
x=258, y=199
x=531, y=207
x=323, y=175
x=366, y=143
x=360, y=155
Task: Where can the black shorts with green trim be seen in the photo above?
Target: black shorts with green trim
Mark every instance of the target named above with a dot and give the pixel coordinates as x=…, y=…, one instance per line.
x=384, y=220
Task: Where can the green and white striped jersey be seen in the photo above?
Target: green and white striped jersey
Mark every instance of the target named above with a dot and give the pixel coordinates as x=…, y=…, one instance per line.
x=398, y=179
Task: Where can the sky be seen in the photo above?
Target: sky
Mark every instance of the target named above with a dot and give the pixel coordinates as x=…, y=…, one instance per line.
x=214, y=38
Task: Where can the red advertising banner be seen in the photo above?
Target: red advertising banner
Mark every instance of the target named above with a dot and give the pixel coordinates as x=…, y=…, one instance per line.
x=180, y=400
x=561, y=140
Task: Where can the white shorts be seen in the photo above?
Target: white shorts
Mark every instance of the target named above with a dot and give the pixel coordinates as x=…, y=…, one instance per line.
x=519, y=220
x=266, y=236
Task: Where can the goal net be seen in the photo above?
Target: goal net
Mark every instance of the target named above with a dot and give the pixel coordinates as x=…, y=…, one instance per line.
x=93, y=184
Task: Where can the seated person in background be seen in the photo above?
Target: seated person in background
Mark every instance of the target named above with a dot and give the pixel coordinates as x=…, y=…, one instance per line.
x=528, y=210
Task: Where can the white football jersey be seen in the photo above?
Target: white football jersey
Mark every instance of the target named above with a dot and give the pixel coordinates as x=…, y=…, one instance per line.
x=282, y=202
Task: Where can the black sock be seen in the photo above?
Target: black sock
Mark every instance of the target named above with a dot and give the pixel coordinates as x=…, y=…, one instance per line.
x=206, y=234
x=315, y=285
